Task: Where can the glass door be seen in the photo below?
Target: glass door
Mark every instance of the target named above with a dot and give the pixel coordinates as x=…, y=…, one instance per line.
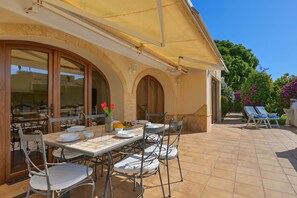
x=29, y=70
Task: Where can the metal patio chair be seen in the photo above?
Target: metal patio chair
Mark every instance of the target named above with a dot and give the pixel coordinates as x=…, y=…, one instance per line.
x=95, y=120
x=143, y=164
x=257, y=119
x=261, y=110
x=64, y=123
x=156, y=117
x=56, y=178
x=169, y=149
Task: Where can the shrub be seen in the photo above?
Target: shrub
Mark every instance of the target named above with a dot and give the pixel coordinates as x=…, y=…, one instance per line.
x=225, y=105
x=288, y=92
x=257, y=89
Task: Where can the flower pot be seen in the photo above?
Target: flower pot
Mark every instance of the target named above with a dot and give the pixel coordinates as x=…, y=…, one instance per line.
x=108, y=124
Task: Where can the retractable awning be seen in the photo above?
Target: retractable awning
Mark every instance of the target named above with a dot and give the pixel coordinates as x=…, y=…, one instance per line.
x=170, y=30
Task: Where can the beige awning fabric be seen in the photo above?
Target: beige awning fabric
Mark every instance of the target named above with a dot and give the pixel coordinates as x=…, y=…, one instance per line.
x=170, y=30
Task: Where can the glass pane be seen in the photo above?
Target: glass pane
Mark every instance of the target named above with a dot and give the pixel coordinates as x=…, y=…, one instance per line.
x=29, y=99
x=72, y=87
x=99, y=92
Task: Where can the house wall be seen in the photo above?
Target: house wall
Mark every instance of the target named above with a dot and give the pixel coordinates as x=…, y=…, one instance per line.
x=192, y=101
x=185, y=95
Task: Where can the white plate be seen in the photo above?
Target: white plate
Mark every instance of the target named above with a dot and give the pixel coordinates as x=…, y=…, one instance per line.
x=68, y=137
x=74, y=129
x=140, y=122
x=125, y=134
x=153, y=126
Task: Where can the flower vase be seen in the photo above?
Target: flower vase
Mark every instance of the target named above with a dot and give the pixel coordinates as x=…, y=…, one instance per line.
x=108, y=123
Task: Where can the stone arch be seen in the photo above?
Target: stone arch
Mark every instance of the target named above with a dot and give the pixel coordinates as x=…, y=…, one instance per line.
x=91, y=52
x=168, y=87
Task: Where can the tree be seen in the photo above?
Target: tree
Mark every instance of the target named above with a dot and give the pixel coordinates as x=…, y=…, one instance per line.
x=257, y=89
x=240, y=62
x=276, y=104
x=289, y=91
x=282, y=81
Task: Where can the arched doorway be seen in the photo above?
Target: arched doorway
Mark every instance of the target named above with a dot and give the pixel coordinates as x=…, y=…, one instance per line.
x=149, y=97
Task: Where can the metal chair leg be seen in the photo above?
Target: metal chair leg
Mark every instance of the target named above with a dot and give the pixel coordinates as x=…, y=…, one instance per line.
x=28, y=192
x=134, y=184
x=141, y=187
x=168, y=178
x=180, y=171
x=161, y=181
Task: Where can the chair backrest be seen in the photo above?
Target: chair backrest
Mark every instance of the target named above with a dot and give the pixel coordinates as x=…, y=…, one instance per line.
x=261, y=110
x=250, y=111
x=95, y=119
x=63, y=122
x=34, y=149
x=155, y=151
x=156, y=117
x=173, y=135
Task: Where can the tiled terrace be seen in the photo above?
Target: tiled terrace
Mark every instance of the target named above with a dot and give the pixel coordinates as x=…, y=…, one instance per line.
x=229, y=161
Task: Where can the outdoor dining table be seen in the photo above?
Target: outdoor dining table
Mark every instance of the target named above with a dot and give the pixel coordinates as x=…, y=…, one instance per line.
x=102, y=143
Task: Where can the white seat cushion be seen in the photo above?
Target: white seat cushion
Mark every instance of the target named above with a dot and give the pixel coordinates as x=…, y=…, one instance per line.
x=61, y=176
x=68, y=154
x=132, y=164
x=153, y=138
x=172, y=152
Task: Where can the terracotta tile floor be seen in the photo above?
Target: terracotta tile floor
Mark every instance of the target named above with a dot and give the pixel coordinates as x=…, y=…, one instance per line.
x=229, y=161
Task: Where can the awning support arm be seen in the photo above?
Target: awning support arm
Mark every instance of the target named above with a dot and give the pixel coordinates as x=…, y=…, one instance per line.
x=200, y=62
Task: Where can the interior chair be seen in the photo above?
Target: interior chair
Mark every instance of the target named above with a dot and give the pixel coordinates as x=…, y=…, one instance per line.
x=142, y=164
x=262, y=111
x=64, y=123
x=55, y=178
x=169, y=149
x=94, y=120
x=255, y=117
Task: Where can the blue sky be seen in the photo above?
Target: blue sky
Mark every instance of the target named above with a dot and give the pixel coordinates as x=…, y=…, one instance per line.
x=267, y=27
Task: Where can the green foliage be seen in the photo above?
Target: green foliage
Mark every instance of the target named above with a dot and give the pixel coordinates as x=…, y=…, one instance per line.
x=227, y=91
x=225, y=105
x=257, y=89
x=240, y=62
x=289, y=91
x=276, y=103
x=227, y=97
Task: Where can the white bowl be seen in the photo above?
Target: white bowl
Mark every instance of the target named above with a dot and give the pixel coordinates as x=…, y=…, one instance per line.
x=88, y=134
x=118, y=129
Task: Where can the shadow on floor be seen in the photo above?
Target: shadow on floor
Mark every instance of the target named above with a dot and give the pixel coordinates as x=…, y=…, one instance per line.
x=291, y=155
